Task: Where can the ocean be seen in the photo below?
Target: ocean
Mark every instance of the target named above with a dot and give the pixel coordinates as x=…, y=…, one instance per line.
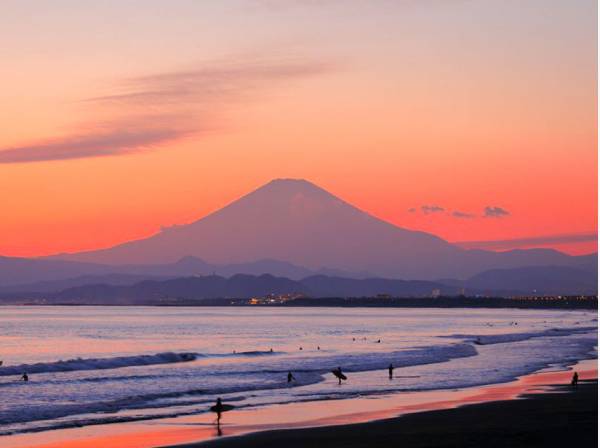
x=93, y=365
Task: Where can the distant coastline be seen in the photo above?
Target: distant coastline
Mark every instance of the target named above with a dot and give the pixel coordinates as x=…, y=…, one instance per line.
x=563, y=302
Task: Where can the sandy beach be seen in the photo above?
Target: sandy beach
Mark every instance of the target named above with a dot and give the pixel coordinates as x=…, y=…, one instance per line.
x=551, y=415
x=562, y=417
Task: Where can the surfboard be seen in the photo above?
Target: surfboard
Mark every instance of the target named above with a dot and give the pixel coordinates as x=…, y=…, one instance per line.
x=224, y=408
x=339, y=374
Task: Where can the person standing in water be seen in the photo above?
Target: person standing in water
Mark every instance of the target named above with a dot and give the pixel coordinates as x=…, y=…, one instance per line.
x=391, y=371
x=290, y=377
x=575, y=380
x=25, y=377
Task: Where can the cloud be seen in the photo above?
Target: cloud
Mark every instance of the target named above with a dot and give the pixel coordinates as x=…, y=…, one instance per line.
x=529, y=242
x=216, y=80
x=495, y=212
x=113, y=139
x=182, y=103
x=428, y=209
x=462, y=215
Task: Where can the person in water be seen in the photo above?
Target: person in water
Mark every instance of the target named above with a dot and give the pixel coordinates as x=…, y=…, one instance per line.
x=290, y=377
x=575, y=380
x=25, y=377
x=338, y=374
x=391, y=371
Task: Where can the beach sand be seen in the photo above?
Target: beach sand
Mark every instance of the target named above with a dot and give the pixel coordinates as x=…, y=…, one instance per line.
x=488, y=415
x=561, y=418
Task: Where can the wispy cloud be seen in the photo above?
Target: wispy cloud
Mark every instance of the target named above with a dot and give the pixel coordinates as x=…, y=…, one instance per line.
x=429, y=209
x=529, y=242
x=181, y=103
x=462, y=215
x=495, y=212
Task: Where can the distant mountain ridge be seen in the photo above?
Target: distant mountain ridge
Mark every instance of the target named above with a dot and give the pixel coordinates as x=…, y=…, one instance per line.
x=513, y=282
x=298, y=222
x=22, y=274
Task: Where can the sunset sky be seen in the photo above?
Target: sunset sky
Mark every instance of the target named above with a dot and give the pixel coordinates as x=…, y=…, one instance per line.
x=473, y=120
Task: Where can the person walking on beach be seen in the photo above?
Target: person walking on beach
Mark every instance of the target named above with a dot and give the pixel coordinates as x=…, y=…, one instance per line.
x=219, y=410
x=391, y=371
x=290, y=377
x=575, y=380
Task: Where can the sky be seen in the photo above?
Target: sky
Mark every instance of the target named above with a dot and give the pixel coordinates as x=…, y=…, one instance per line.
x=473, y=120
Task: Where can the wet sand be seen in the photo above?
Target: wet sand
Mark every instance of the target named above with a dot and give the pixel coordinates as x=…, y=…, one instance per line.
x=561, y=418
x=343, y=422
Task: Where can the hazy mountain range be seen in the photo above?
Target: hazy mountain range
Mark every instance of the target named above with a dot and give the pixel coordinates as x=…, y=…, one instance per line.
x=241, y=286
x=294, y=229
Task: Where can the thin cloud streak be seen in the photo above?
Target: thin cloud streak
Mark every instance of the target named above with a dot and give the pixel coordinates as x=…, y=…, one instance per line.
x=429, y=209
x=495, y=212
x=182, y=103
x=107, y=143
x=215, y=80
x=529, y=242
x=462, y=215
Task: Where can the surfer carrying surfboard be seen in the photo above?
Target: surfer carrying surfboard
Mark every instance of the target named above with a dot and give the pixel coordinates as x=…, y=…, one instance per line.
x=339, y=375
x=219, y=408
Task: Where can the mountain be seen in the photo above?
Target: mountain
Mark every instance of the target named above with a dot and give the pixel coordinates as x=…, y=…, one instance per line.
x=552, y=280
x=45, y=275
x=188, y=288
x=14, y=270
x=300, y=223
x=239, y=286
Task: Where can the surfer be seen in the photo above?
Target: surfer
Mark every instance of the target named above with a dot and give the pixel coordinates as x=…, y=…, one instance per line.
x=218, y=408
x=25, y=377
x=575, y=380
x=290, y=377
x=339, y=375
x=378, y=341
x=391, y=371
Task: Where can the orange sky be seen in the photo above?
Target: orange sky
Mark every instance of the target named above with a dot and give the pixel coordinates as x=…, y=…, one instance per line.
x=120, y=120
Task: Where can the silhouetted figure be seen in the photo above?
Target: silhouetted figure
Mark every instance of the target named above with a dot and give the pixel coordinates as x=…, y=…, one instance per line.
x=290, y=377
x=318, y=348
x=300, y=348
x=25, y=377
x=575, y=380
x=354, y=339
x=219, y=410
x=271, y=350
x=339, y=375
x=378, y=341
x=391, y=371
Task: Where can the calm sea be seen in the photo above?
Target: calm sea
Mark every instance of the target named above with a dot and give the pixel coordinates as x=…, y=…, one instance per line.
x=91, y=365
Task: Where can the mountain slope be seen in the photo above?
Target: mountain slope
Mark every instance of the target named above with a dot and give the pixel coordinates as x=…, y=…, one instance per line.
x=296, y=221
x=537, y=280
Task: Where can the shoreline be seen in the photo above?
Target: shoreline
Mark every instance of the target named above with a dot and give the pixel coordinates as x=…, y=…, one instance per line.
x=557, y=418
x=240, y=426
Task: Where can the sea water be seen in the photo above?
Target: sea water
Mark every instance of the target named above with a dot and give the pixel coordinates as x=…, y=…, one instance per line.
x=91, y=365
